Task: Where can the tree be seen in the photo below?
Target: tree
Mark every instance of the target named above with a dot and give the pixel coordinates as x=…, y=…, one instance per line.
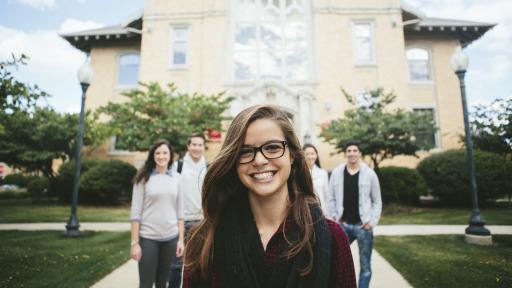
x=152, y=113
x=383, y=134
x=491, y=127
x=32, y=140
x=32, y=137
x=16, y=95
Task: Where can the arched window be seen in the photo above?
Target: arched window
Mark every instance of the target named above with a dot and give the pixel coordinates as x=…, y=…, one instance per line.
x=271, y=40
x=419, y=64
x=128, y=69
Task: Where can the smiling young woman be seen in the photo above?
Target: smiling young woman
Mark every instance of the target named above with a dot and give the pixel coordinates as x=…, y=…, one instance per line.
x=262, y=225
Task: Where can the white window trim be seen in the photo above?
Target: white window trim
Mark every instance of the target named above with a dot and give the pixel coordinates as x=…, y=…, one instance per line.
x=430, y=66
x=437, y=135
x=173, y=66
x=373, y=61
x=118, y=62
x=229, y=72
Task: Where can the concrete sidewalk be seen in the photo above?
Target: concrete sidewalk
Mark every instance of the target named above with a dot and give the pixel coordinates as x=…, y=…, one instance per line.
x=379, y=230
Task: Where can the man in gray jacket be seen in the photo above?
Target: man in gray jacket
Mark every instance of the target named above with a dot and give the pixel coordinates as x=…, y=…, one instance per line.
x=354, y=201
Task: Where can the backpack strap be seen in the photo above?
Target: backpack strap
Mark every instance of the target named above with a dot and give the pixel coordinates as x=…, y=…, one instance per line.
x=180, y=166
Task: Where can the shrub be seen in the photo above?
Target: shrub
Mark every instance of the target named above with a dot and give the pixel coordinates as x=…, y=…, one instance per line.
x=401, y=185
x=17, y=179
x=107, y=183
x=62, y=185
x=37, y=188
x=447, y=175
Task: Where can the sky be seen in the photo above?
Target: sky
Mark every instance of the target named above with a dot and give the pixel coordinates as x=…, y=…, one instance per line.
x=32, y=27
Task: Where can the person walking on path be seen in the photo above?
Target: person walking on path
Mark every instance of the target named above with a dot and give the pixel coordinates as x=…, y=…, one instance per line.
x=354, y=201
x=262, y=225
x=319, y=175
x=192, y=169
x=157, y=212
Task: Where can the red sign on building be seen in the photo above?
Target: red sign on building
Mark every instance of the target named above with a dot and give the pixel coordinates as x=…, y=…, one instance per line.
x=214, y=135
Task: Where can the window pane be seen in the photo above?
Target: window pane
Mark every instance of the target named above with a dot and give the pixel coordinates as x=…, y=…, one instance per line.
x=179, y=45
x=265, y=33
x=180, y=34
x=297, y=64
x=363, y=50
x=179, y=55
x=362, y=30
x=271, y=36
x=419, y=64
x=419, y=70
x=417, y=54
x=425, y=140
x=245, y=37
x=128, y=69
x=245, y=65
x=270, y=64
x=295, y=35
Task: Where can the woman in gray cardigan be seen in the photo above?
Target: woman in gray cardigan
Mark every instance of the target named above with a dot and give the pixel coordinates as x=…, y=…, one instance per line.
x=157, y=214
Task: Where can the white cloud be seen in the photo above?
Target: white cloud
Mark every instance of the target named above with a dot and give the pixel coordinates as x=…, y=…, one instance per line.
x=52, y=63
x=38, y=4
x=73, y=25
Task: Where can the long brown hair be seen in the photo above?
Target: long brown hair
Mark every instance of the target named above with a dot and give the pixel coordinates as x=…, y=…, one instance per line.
x=222, y=185
x=144, y=172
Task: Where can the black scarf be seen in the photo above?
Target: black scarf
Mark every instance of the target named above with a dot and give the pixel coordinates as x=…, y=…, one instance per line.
x=239, y=257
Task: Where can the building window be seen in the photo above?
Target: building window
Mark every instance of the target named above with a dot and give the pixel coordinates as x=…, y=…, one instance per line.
x=419, y=64
x=427, y=141
x=128, y=72
x=271, y=40
x=179, y=46
x=364, y=52
x=115, y=147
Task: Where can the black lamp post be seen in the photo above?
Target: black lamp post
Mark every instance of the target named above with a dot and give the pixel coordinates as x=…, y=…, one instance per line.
x=85, y=74
x=476, y=233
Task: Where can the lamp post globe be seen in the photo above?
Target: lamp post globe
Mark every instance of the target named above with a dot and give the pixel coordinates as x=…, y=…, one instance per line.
x=476, y=233
x=85, y=74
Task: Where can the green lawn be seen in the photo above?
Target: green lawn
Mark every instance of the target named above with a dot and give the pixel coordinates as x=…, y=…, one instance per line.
x=411, y=215
x=45, y=259
x=446, y=261
x=15, y=212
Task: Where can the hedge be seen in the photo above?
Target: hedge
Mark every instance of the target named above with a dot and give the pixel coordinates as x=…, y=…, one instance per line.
x=401, y=185
x=446, y=174
x=37, y=188
x=62, y=185
x=107, y=183
x=18, y=179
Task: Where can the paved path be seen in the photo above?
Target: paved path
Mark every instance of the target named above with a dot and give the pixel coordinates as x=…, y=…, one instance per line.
x=379, y=230
x=384, y=275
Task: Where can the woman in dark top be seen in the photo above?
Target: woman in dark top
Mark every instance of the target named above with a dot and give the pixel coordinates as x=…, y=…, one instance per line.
x=263, y=226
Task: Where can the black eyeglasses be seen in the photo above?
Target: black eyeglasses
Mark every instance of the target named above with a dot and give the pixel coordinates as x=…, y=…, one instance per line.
x=271, y=150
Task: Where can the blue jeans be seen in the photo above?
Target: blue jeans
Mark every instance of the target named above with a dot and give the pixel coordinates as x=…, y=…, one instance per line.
x=177, y=262
x=364, y=239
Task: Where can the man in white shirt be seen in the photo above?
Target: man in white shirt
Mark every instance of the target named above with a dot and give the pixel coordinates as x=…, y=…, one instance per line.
x=192, y=168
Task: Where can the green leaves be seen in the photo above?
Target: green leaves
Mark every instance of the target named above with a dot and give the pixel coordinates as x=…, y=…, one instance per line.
x=383, y=133
x=491, y=127
x=152, y=112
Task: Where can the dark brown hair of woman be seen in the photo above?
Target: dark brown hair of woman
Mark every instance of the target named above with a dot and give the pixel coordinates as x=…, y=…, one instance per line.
x=317, y=161
x=222, y=185
x=146, y=170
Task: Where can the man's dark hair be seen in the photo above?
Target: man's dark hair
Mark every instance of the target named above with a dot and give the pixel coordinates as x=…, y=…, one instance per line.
x=352, y=143
x=196, y=135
